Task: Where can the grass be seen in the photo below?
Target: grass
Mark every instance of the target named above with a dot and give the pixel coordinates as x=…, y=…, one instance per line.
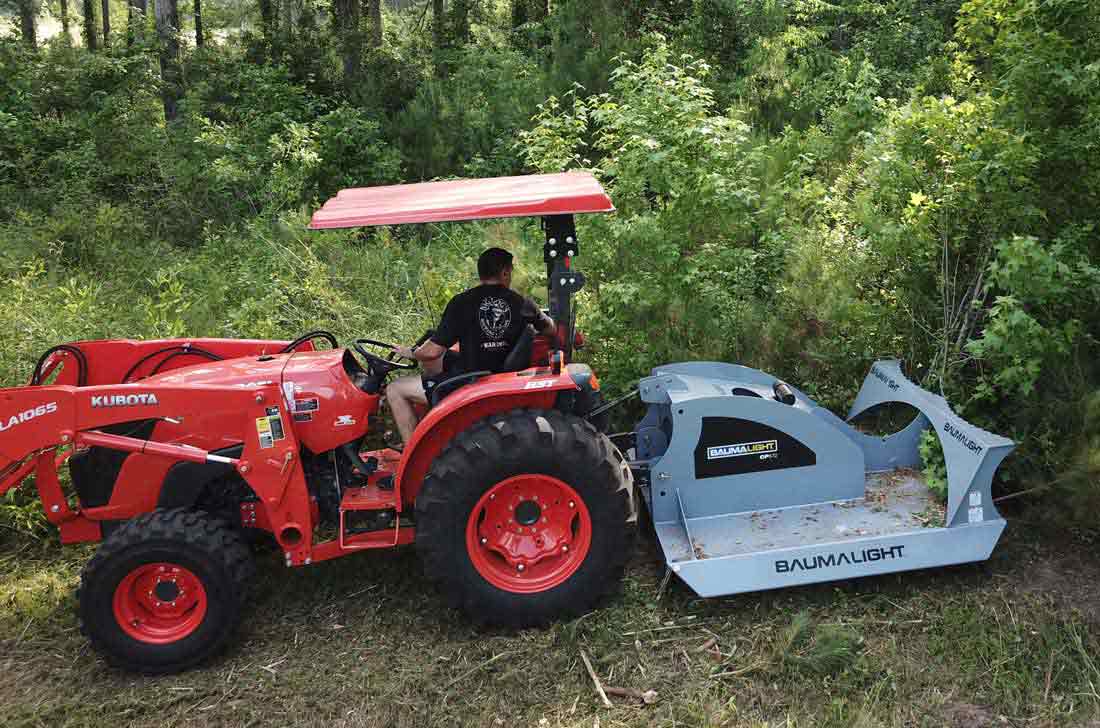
x=363, y=641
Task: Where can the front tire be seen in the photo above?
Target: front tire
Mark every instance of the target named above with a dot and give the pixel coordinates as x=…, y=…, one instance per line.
x=164, y=592
x=522, y=519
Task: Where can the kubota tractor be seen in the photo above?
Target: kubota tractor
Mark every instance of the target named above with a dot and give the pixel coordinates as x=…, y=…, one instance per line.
x=179, y=450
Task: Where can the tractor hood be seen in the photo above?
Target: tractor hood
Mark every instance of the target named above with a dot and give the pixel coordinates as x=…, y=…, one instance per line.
x=326, y=406
x=249, y=371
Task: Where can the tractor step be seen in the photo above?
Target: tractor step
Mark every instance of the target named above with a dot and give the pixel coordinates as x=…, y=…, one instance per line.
x=368, y=498
x=367, y=510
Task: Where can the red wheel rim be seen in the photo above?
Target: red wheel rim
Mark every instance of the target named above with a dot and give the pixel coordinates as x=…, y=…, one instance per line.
x=528, y=534
x=160, y=603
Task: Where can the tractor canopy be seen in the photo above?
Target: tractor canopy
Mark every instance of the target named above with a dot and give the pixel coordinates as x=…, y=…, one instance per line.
x=535, y=195
x=553, y=197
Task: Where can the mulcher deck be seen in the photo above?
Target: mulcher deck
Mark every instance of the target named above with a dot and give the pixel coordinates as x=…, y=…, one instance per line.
x=895, y=503
x=752, y=485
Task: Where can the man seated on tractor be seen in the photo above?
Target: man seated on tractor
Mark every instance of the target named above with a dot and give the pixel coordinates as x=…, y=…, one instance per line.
x=485, y=321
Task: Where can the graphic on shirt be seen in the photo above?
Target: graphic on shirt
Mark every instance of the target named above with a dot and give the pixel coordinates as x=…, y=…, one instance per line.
x=495, y=316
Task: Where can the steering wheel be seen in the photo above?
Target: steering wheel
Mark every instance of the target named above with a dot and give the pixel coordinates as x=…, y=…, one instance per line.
x=378, y=365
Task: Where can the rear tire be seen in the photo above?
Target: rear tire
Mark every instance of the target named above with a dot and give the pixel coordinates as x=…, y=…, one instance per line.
x=164, y=592
x=522, y=519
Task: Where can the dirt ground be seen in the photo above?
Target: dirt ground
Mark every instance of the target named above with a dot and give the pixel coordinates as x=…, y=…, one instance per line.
x=364, y=642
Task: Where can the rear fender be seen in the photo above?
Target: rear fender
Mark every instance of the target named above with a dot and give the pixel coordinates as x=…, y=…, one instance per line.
x=461, y=409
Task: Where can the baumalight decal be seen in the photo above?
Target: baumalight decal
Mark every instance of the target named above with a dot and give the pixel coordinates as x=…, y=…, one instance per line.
x=740, y=449
x=825, y=561
x=962, y=438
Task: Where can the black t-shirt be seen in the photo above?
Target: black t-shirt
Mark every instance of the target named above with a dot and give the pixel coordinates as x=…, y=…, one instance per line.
x=486, y=321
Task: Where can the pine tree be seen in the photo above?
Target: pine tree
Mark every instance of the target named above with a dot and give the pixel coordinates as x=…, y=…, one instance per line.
x=168, y=24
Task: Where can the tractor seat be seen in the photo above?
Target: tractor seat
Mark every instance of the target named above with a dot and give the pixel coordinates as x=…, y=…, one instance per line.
x=518, y=359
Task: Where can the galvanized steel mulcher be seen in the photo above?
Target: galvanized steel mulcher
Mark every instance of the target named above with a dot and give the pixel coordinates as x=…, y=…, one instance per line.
x=179, y=450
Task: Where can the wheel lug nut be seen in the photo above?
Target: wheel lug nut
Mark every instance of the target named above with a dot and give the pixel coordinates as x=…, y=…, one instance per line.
x=572, y=504
x=484, y=541
x=565, y=549
x=521, y=567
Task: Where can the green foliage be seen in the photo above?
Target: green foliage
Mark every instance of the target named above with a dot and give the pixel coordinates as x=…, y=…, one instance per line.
x=817, y=649
x=468, y=122
x=667, y=268
x=1037, y=324
x=935, y=467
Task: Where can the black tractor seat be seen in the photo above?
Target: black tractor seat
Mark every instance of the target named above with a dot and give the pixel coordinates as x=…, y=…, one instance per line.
x=518, y=359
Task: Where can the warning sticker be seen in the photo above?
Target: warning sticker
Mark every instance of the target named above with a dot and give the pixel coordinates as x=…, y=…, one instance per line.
x=976, y=515
x=975, y=499
x=263, y=428
x=270, y=428
x=307, y=405
x=303, y=417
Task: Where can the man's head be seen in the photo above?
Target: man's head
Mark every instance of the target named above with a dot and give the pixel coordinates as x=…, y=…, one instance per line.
x=495, y=266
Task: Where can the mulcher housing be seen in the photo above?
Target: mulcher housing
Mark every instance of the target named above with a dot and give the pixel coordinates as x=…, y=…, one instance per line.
x=752, y=485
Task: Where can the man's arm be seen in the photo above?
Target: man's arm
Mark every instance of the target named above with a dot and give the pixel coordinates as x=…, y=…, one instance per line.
x=430, y=353
x=534, y=316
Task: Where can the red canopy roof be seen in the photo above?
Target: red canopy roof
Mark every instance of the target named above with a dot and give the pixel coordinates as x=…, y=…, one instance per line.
x=465, y=199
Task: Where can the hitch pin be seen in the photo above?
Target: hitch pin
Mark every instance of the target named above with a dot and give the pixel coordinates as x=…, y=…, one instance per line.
x=173, y=420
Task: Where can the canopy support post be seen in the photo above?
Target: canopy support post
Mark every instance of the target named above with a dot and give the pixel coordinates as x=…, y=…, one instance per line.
x=562, y=277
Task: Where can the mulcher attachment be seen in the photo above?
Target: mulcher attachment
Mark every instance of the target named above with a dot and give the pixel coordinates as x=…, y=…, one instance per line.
x=752, y=485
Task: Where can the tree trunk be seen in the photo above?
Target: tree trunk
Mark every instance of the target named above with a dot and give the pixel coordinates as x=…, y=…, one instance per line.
x=28, y=10
x=198, y=24
x=106, y=23
x=374, y=10
x=347, y=16
x=542, y=11
x=135, y=21
x=289, y=14
x=90, y=35
x=439, y=35
x=65, y=20
x=519, y=13
x=267, y=20
x=460, y=20
x=168, y=23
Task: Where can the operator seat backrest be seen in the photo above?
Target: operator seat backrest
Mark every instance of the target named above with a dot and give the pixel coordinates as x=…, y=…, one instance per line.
x=519, y=358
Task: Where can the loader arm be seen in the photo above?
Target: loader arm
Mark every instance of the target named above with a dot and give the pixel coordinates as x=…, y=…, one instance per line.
x=37, y=422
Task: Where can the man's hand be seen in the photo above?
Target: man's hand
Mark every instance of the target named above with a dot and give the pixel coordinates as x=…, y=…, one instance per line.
x=404, y=352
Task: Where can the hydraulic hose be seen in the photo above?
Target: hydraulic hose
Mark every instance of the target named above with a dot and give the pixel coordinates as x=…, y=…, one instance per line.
x=178, y=350
x=81, y=364
x=319, y=334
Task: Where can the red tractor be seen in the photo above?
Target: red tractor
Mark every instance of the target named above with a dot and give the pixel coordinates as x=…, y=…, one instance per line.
x=180, y=451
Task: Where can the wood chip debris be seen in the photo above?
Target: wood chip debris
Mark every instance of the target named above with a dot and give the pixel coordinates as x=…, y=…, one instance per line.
x=647, y=697
x=595, y=680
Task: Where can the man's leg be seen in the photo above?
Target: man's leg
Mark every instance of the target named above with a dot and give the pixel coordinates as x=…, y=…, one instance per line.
x=402, y=394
